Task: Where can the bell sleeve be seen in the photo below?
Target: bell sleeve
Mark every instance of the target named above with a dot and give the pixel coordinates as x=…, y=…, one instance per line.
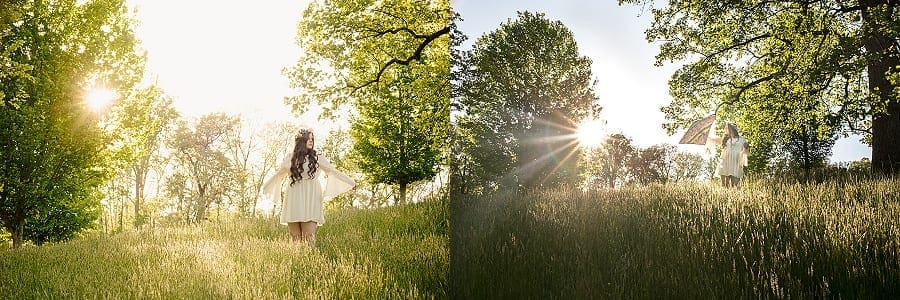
x=335, y=182
x=271, y=188
x=745, y=152
x=712, y=141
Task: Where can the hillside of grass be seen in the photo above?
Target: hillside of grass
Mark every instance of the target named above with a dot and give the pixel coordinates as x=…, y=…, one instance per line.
x=385, y=253
x=839, y=238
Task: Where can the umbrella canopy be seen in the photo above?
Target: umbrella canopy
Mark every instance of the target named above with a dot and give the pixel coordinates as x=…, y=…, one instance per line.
x=698, y=132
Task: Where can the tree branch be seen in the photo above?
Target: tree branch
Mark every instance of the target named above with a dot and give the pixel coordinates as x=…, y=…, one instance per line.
x=417, y=55
x=378, y=33
x=733, y=46
x=750, y=85
x=405, y=23
x=846, y=9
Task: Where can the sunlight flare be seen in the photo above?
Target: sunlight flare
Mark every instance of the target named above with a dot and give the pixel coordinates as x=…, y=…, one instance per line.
x=590, y=133
x=100, y=98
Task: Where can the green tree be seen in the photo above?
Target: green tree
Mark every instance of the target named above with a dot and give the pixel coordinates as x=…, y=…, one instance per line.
x=206, y=172
x=349, y=45
x=138, y=125
x=521, y=87
x=686, y=166
x=608, y=163
x=770, y=63
x=52, y=158
x=240, y=146
x=652, y=164
x=338, y=147
x=807, y=149
x=276, y=139
x=400, y=133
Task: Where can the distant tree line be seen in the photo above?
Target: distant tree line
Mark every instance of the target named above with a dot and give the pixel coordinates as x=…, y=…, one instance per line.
x=617, y=162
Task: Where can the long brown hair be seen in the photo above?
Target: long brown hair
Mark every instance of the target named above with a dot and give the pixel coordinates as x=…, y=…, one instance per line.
x=302, y=155
x=731, y=133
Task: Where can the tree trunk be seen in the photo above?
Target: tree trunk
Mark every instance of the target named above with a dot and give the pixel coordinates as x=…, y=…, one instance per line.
x=138, y=197
x=121, y=212
x=274, y=207
x=611, y=182
x=885, y=126
x=258, y=186
x=18, y=233
x=204, y=205
x=402, y=193
x=374, y=199
x=807, y=162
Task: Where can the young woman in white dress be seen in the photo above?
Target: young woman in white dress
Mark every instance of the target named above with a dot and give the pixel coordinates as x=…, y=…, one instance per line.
x=734, y=155
x=302, y=204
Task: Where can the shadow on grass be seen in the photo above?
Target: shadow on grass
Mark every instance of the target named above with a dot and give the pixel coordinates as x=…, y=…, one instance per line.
x=685, y=241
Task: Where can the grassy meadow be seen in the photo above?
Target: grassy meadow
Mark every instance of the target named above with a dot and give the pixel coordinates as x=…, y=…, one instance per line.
x=839, y=238
x=386, y=253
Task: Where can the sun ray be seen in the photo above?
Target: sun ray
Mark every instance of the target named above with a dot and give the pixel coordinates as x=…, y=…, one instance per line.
x=555, y=124
x=571, y=152
x=526, y=169
x=551, y=139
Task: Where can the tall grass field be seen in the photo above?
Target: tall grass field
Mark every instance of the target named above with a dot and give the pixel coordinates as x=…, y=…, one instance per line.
x=837, y=239
x=386, y=253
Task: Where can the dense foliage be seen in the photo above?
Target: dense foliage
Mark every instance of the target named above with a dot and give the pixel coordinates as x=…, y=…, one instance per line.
x=400, y=134
x=777, y=67
x=348, y=46
x=52, y=153
x=521, y=90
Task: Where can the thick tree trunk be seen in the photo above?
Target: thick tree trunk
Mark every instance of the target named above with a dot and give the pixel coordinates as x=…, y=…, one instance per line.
x=18, y=233
x=885, y=126
x=886, y=140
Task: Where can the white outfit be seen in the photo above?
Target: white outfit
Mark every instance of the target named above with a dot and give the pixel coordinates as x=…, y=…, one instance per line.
x=303, y=199
x=734, y=158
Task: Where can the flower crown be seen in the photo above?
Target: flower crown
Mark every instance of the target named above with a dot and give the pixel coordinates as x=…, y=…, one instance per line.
x=302, y=132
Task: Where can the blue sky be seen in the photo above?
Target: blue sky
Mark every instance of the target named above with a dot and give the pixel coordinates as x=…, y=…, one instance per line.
x=630, y=88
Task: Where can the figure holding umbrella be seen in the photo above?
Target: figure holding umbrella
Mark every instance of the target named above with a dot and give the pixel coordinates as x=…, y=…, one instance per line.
x=734, y=148
x=734, y=155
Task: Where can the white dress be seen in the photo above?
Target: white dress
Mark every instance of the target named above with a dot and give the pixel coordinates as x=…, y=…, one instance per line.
x=734, y=158
x=303, y=200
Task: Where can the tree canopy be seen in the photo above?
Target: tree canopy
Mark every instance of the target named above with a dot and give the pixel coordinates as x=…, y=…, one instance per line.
x=775, y=66
x=401, y=133
x=521, y=90
x=349, y=45
x=52, y=153
x=137, y=126
x=206, y=173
